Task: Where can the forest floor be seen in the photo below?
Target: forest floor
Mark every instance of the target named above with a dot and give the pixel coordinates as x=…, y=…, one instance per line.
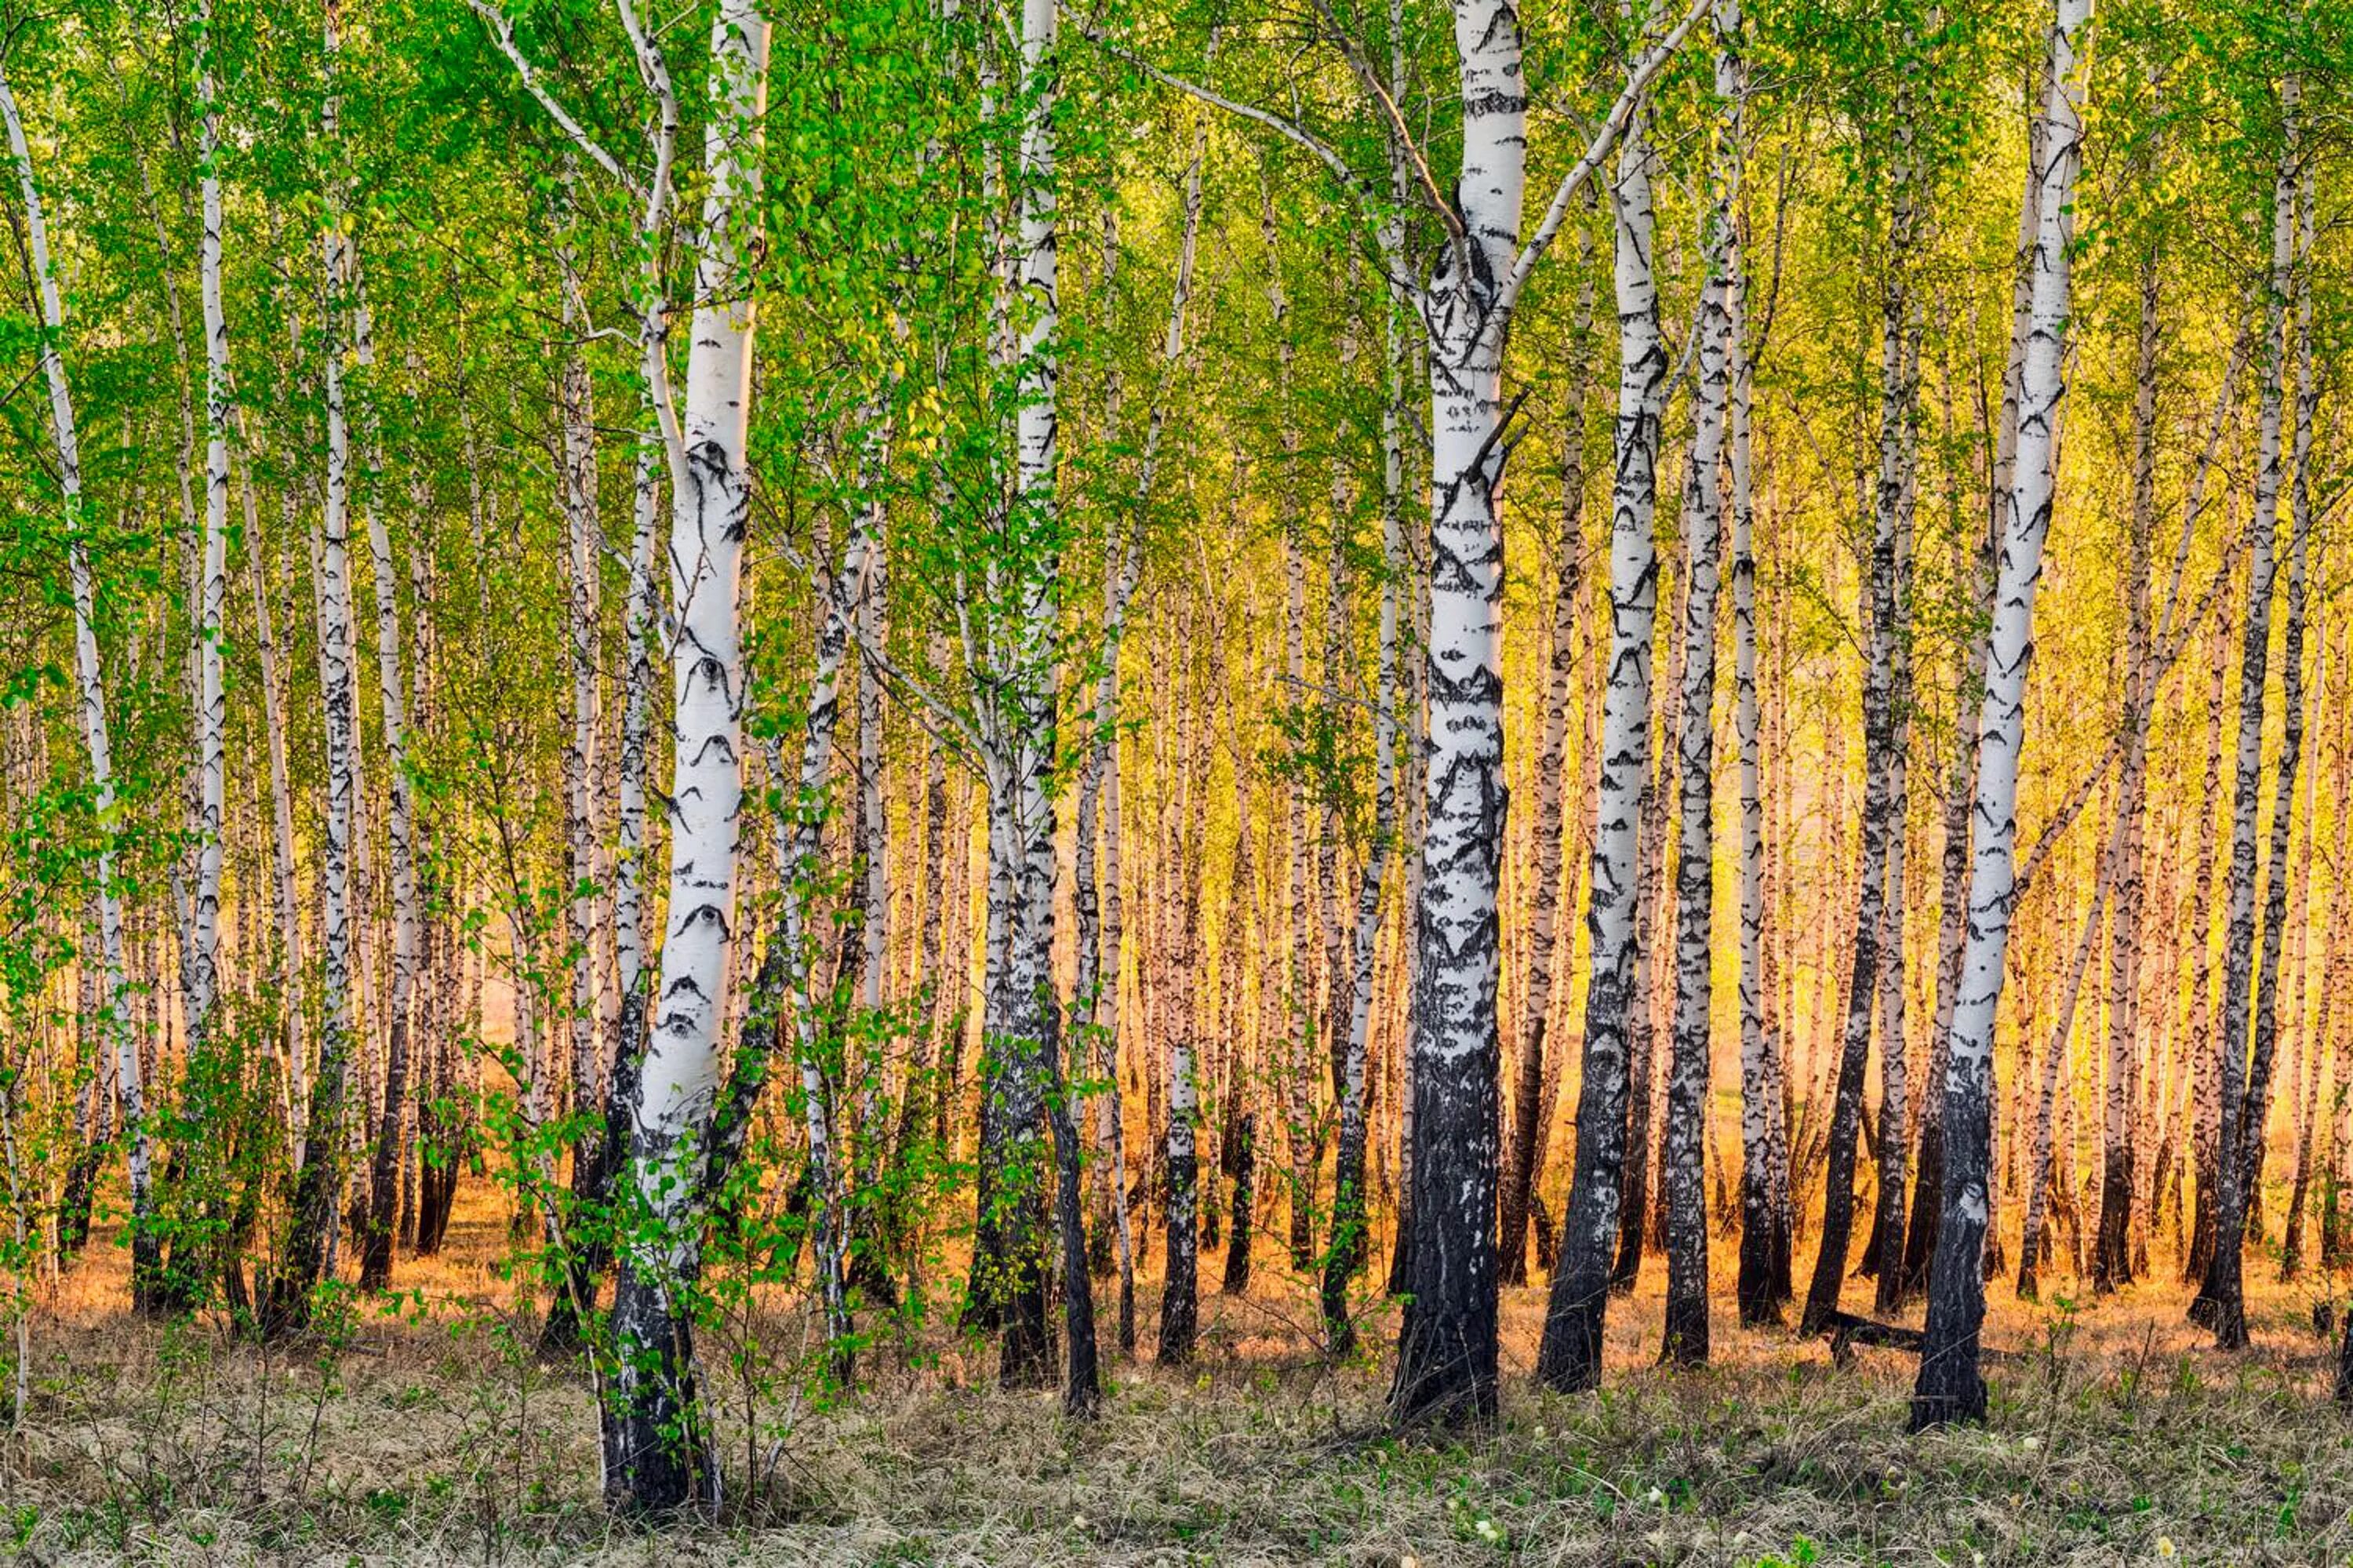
x=431, y=1435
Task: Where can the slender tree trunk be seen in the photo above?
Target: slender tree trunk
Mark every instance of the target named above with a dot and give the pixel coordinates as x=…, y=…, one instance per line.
x=2206, y=1069
x=1530, y=1106
x=203, y=958
x=121, y=1041
x=319, y=1186
x=1187, y=1006
x=1569, y=1356
x=1883, y=1252
x=1763, y=1275
x=656, y=1454
x=384, y=1189
x=1689, y=1085
x=2112, y=1254
x=1350, y=1211
x=1948, y=1387
x=2219, y=1303
x=2039, y=1176
x=1879, y=732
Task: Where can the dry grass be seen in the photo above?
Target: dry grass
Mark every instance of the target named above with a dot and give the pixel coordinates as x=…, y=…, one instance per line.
x=2116, y=1437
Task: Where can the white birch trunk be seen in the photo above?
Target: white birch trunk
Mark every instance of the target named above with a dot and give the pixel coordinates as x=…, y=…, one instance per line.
x=1688, y=1091
x=114, y=1028
x=1948, y=1386
x=2218, y=1302
x=655, y=1457
x=1447, y=1348
x=1570, y=1355
x=211, y=700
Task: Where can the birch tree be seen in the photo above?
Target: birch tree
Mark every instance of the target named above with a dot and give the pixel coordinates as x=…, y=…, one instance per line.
x=1948, y=1387
x=656, y=1456
x=1686, y=1334
x=114, y=1027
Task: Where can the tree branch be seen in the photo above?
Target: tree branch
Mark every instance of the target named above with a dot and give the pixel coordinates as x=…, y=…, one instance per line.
x=1613, y=126
x=503, y=33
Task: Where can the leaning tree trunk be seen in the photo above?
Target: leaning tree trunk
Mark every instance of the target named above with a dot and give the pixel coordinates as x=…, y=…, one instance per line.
x=1960, y=789
x=1878, y=938
x=114, y=1024
x=656, y=1451
x=787, y=982
x=1870, y=929
x=1948, y=1386
x=2229, y=1326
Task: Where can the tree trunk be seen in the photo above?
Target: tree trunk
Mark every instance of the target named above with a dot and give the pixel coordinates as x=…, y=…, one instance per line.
x=319, y=1185
x=2112, y=1253
x=1763, y=1281
x=1948, y=1386
x=2219, y=1303
x=656, y=1449
x=1350, y=1211
x=1530, y=1106
x=1569, y=1356
x=115, y=1024
x=1690, y=1080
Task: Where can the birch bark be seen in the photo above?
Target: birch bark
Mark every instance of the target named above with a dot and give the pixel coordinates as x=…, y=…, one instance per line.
x=115, y=1032
x=2218, y=1304
x=1948, y=1387
x=1686, y=1332
x=655, y=1450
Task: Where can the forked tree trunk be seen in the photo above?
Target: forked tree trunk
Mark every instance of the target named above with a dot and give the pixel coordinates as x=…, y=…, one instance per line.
x=1447, y=1346
x=2219, y=1303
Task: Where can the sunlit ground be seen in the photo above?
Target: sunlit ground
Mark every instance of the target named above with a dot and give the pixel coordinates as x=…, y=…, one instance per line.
x=430, y=1434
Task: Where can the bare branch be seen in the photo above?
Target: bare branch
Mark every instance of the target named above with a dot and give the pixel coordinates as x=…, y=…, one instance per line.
x=503, y=33
x=1621, y=114
x=1290, y=129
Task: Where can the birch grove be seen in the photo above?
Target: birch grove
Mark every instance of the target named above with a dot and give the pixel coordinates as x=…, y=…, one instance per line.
x=1194, y=774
